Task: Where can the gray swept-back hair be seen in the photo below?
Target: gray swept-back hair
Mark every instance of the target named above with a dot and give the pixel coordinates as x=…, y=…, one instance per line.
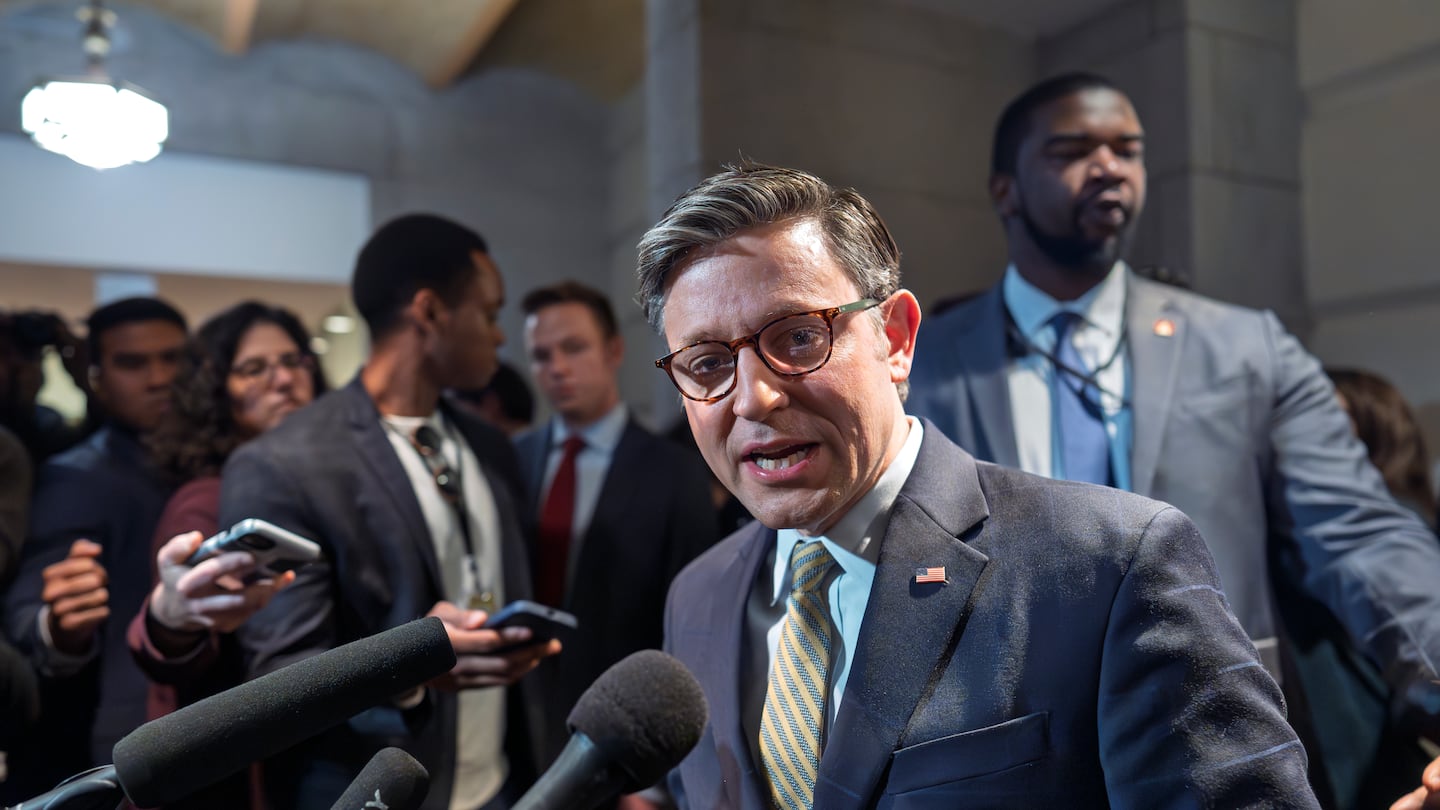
x=752, y=194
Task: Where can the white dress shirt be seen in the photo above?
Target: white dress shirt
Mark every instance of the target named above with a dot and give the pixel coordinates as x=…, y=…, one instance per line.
x=480, y=763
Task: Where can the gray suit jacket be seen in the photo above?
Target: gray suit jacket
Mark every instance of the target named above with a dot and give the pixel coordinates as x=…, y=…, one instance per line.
x=1237, y=426
x=329, y=473
x=1081, y=655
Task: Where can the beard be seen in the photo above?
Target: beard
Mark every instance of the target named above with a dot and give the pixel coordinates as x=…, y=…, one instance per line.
x=1075, y=252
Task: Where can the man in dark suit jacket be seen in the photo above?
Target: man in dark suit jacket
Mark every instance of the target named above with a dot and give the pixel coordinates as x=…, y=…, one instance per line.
x=414, y=504
x=1208, y=406
x=956, y=634
x=640, y=506
x=87, y=553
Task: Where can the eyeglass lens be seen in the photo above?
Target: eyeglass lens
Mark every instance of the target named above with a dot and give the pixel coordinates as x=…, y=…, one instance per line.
x=798, y=344
x=259, y=366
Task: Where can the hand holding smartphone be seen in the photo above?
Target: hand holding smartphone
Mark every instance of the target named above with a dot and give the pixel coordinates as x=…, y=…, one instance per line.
x=276, y=550
x=544, y=622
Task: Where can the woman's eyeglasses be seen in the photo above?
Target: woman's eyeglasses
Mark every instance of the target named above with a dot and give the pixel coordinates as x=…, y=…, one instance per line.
x=257, y=368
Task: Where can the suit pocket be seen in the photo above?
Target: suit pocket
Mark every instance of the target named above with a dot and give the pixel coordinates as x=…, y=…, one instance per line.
x=970, y=753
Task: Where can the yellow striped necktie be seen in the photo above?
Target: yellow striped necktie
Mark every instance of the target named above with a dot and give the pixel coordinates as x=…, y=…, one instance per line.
x=792, y=726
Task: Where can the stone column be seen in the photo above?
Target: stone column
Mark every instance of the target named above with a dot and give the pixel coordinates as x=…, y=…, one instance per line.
x=1216, y=85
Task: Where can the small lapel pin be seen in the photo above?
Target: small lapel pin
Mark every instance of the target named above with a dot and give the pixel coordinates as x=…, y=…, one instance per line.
x=1165, y=327
x=926, y=575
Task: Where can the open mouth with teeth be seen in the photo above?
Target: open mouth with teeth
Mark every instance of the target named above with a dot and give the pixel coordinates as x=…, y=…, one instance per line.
x=781, y=458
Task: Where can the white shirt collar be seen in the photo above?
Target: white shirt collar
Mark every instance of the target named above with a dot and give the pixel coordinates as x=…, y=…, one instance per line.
x=1103, y=306
x=603, y=434
x=854, y=537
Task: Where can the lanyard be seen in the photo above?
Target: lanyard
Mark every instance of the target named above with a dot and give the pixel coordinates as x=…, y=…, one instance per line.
x=429, y=445
x=1021, y=346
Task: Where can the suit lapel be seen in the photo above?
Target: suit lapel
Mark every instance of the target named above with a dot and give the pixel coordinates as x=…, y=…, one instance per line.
x=1154, y=371
x=537, y=456
x=623, y=479
x=385, y=477
x=514, y=553
x=909, y=630
x=721, y=680
x=986, y=365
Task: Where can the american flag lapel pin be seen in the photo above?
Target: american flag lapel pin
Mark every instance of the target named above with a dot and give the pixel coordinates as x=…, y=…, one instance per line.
x=927, y=575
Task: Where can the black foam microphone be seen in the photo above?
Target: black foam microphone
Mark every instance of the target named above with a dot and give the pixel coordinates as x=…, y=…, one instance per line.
x=391, y=779
x=635, y=723
x=200, y=744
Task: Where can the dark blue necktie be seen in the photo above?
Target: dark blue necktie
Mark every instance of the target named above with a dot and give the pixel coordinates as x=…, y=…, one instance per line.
x=1084, y=445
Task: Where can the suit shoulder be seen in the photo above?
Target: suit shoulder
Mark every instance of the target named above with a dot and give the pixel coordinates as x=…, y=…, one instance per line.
x=327, y=414
x=1203, y=306
x=530, y=440
x=961, y=314
x=665, y=452
x=83, y=457
x=1064, y=510
x=320, y=424
x=96, y=466
x=478, y=430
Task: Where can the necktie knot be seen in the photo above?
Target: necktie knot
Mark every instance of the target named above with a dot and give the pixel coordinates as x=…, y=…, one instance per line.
x=573, y=445
x=1062, y=322
x=809, y=563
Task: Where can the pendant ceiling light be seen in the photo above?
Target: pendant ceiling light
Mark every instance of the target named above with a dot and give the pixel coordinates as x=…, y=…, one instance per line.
x=94, y=120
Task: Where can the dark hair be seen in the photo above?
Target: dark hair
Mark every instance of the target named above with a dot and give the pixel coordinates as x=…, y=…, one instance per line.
x=412, y=253
x=752, y=194
x=510, y=389
x=200, y=432
x=1385, y=424
x=1017, y=118
x=127, y=310
x=568, y=292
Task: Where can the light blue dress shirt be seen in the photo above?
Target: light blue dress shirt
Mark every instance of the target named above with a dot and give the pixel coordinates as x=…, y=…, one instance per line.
x=854, y=542
x=1099, y=338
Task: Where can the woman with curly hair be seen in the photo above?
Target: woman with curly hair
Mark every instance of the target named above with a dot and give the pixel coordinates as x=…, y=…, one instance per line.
x=243, y=372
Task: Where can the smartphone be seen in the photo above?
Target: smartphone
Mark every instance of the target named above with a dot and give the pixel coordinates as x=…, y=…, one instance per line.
x=276, y=550
x=544, y=622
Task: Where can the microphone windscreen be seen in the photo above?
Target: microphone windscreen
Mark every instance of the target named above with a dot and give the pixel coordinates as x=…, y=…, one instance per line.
x=391, y=779
x=200, y=744
x=646, y=712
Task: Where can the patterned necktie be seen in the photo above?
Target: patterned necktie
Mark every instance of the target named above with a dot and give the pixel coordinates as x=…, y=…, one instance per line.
x=1083, y=443
x=557, y=520
x=793, y=723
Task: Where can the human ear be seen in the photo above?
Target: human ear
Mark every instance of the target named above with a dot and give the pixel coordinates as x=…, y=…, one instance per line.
x=1005, y=195
x=902, y=321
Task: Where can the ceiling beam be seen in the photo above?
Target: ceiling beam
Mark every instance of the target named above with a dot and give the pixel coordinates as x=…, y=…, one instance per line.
x=488, y=17
x=239, y=25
